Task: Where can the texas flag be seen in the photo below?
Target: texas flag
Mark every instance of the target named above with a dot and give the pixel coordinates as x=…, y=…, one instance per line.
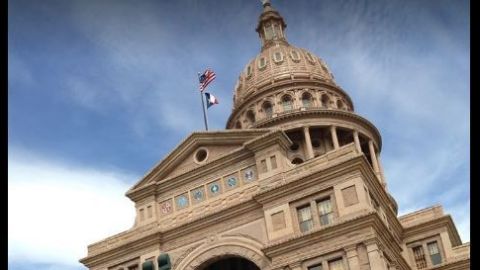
x=211, y=100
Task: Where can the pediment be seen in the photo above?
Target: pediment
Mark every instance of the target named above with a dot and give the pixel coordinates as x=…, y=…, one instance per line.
x=196, y=150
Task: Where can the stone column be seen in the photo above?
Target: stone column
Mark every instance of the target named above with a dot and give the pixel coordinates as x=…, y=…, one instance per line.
x=308, y=142
x=333, y=130
x=352, y=257
x=376, y=261
x=356, y=139
x=373, y=157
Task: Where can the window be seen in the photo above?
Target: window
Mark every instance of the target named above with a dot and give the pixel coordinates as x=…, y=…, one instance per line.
x=297, y=161
x=251, y=116
x=306, y=100
x=325, y=101
x=262, y=63
x=278, y=57
x=276, y=32
x=133, y=267
x=263, y=165
x=295, y=56
x=249, y=70
x=287, y=103
x=142, y=214
x=238, y=125
x=434, y=252
x=339, y=104
x=273, y=162
x=305, y=218
x=315, y=267
x=325, y=211
x=310, y=58
x=268, y=31
x=336, y=264
x=267, y=108
x=294, y=146
x=419, y=256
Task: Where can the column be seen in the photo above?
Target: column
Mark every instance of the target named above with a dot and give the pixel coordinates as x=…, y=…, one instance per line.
x=373, y=157
x=308, y=142
x=357, y=141
x=376, y=262
x=333, y=130
x=352, y=257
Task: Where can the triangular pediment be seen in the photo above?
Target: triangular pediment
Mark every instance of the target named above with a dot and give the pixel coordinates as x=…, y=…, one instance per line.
x=196, y=150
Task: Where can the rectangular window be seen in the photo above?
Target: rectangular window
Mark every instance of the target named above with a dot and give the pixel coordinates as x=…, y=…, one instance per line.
x=419, y=256
x=142, y=214
x=263, y=165
x=315, y=267
x=305, y=218
x=273, y=161
x=325, y=211
x=434, y=252
x=149, y=211
x=335, y=264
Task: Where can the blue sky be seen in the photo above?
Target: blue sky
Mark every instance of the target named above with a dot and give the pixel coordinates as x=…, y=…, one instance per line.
x=100, y=91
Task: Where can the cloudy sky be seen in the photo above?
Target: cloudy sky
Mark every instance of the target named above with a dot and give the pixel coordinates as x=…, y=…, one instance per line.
x=100, y=91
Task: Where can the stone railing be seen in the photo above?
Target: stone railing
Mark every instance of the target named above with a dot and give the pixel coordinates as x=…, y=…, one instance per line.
x=461, y=252
x=421, y=216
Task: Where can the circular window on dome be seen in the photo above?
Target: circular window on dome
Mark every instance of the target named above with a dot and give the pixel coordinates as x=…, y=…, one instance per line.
x=294, y=146
x=201, y=155
x=262, y=63
x=294, y=55
x=278, y=57
x=310, y=58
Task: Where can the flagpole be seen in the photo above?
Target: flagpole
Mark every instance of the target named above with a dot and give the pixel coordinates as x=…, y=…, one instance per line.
x=205, y=119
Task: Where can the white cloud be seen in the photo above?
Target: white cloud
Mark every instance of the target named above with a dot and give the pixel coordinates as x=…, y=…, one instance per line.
x=55, y=210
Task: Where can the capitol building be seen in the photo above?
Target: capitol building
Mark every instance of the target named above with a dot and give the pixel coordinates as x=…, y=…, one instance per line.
x=295, y=182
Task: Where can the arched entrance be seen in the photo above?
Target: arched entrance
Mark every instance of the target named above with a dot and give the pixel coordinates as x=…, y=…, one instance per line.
x=228, y=263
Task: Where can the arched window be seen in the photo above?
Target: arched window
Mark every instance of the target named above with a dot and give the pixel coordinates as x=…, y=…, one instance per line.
x=267, y=108
x=294, y=55
x=297, y=161
x=339, y=104
x=310, y=58
x=325, y=101
x=251, y=116
x=287, y=103
x=306, y=100
x=278, y=57
x=249, y=70
x=238, y=125
x=262, y=63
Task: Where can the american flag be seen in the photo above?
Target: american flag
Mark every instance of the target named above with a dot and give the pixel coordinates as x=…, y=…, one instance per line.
x=206, y=78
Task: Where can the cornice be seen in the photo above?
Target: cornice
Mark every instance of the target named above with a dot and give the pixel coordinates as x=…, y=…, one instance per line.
x=433, y=224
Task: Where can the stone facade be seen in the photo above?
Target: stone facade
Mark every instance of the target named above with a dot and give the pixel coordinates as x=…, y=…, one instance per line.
x=294, y=182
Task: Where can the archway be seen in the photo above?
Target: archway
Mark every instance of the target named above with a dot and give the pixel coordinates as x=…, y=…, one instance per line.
x=228, y=263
